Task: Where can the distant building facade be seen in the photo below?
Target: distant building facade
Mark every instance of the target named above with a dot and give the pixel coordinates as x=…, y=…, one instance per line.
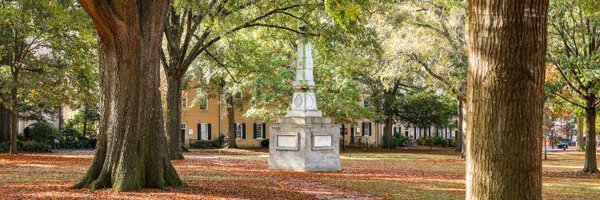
x=208, y=118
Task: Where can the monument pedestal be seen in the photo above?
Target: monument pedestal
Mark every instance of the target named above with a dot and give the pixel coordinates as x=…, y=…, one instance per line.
x=304, y=144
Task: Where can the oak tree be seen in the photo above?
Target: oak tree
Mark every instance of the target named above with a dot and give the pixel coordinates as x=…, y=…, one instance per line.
x=131, y=126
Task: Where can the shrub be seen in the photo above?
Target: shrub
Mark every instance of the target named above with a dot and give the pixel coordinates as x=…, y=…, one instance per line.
x=399, y=140
x=438, y=141
x=72, y=139
x=444, y=142
x=41, y=132
x=34, y=146
x=4, y=146
x=264, y=143
x=29, y=146
x=451, y=142
x=219, y=142
x=427, y=141
x=201, y=144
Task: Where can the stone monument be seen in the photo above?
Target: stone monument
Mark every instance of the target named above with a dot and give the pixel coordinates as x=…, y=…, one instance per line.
x=304, y=140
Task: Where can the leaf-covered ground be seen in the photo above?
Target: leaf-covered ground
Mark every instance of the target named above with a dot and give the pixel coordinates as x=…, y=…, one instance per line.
x=218, y=174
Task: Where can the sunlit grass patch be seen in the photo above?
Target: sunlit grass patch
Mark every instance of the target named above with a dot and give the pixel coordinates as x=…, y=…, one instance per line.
x=216, y=178
x=571, y=189
x=40, y=174
x=405, y=189
x=395, y=156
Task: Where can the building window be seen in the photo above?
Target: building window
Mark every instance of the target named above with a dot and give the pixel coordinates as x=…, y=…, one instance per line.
x=366, y=128
x=259, y=130
x=417, y=133
x=366, y=102
x=397, y=130
x=407, y=131
x=182, y=126
x=183, y=102
x=204, y=104
x=240, y=130
x=203, y=131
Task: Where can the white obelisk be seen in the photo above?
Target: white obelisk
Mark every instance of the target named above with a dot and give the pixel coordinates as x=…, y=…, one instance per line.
x=304, y=101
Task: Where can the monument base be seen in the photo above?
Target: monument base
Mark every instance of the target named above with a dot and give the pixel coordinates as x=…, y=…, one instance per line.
x=304, y=144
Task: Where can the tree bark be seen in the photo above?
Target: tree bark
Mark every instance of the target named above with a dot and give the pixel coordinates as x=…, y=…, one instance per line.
x=14, y=130
x=461, y=132
x=131, y=126
x=387, y=131
x=590, y=165
x=231, y=123
x=507, y=46
x=174, y=117
x=14, y=112
x=580, y=132
x=5, y=124
x=85, y=119
x=2, y=125
x=61, y=118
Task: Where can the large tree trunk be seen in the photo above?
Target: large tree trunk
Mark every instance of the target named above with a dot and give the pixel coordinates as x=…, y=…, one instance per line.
x=388, y=131
x=130, y=129
x=85, y=118
x=231, y=123
x=580, y=143
x=61, y=118
x=14, y=130
x=2, y=125
x=174, y=117
x=461, y=132
x=5, y=124
x=507, y=46
x=590, y=165
x=14, y=113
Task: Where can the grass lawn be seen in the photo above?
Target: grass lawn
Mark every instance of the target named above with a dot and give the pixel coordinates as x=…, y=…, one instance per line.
x=377, y=174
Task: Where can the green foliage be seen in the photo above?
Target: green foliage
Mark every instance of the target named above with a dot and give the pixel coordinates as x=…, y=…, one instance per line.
x=28, y=146
x=84, y=122
x=4, y=146
x=427, y=141
x=572, y=75
x=34, y=146
x=41, y=132
x=72, y=139
x=399, y=140
x=345, y=11
x=264, y=143
x=425, y=110
x=203, y=144
x=47, y=56
x=437, y=141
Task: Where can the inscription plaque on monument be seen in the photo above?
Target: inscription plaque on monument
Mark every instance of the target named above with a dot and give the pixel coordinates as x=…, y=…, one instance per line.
x=322, y=141
x=287, y=141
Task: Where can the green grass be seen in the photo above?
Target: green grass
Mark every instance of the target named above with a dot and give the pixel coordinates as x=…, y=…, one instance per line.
x=405, y=189
x=40, y=173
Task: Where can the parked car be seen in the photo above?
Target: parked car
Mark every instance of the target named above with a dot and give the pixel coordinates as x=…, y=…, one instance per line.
x=562, y=145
